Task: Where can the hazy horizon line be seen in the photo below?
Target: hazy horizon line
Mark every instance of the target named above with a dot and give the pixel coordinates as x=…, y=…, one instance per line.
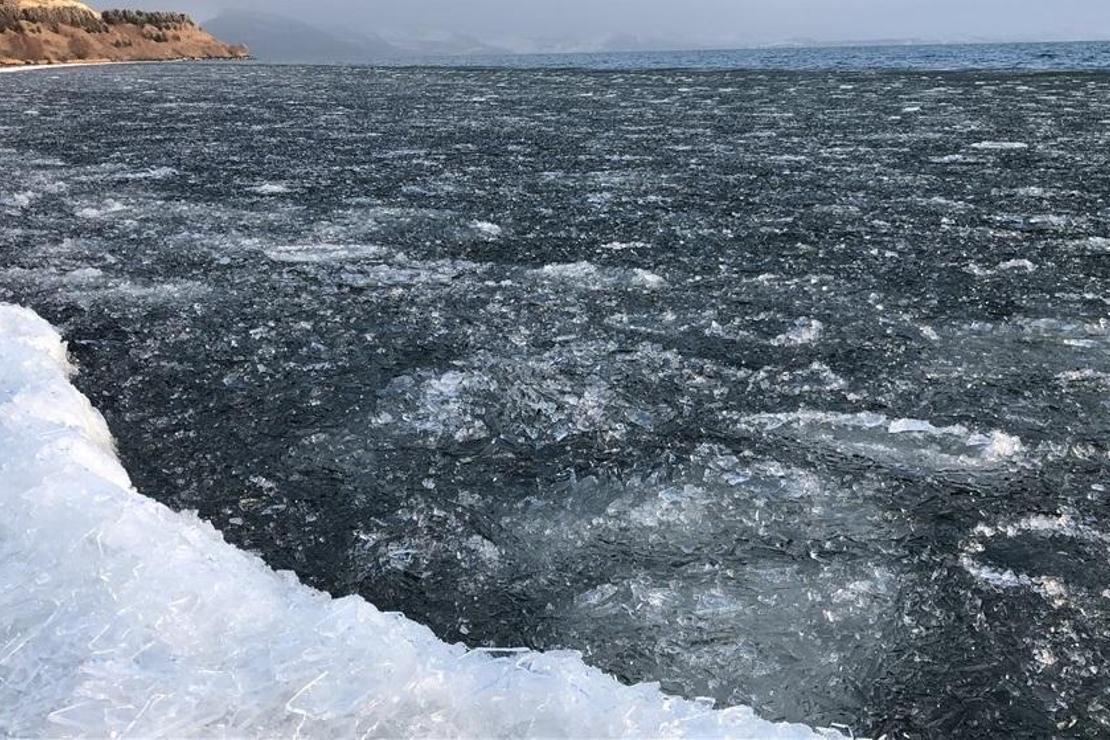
x=583, y=46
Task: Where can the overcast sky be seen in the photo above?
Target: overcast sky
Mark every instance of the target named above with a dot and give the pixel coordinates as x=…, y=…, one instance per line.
x=703, y=21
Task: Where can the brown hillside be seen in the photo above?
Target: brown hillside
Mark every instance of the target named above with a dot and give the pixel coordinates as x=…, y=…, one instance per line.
x=49, y=31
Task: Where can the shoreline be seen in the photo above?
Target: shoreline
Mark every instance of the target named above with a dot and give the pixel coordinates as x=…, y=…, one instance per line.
x=9, y=68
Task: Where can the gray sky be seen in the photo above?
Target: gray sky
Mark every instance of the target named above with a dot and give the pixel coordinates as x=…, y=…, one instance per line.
x=704, y=22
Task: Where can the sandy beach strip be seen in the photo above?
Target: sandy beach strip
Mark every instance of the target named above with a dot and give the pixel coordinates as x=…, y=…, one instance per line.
x=102, y=63
x=57, y=65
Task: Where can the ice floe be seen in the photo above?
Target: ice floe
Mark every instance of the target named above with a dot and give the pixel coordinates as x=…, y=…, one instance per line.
x=589, y=276
x=805, y=331
x=88, y=284
x=487, y=230
x=1097, y=244
x=534, y=400
x=1000, y=146
x=270, y=188
x=1053, y=588
x=20, y=200
x=911, y=443
x=747, y=537
x=311, y=253
x=618, y=246
x=153, y=173
x=402, y=272
x=1016, y=265
x=107, y=208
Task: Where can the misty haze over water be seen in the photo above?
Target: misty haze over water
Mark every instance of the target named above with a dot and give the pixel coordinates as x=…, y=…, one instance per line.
x=631, y=25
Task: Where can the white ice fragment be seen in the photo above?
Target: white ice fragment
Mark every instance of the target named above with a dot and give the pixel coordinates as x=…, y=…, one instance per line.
x=584, y=273
x=1051, y=588
x=1000, y=145
x=1021, y=264
x=647, y=280
x=926, y=445
x=617, y=246
x=1007, y=266
x=487, y=229
x=83, y=275
x=107, y=208
x=153, y=173
x=953, y=159
x=1093, y=244
x=588, y=276
x=270, y=188
x=805, y=331
x=1086, y=375
x=901, y=426
x=309, y=253
x=20, y=200
x=997, y=445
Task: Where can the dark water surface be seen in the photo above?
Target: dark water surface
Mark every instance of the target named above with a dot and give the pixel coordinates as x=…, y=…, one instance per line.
x=788, y=389
x=1071, y=56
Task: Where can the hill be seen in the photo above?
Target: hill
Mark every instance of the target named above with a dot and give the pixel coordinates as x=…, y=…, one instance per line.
x=276, y=38
x=52, y=31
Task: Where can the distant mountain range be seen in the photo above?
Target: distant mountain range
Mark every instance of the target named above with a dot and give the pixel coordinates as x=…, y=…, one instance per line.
x=312, y=39
x=275, y=38
x=278, y=38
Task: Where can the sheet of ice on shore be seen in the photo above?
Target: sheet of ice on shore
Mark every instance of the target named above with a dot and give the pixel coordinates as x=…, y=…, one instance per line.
x=121, y=617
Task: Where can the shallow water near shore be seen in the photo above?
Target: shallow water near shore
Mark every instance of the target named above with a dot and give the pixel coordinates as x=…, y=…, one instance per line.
x=786, y=389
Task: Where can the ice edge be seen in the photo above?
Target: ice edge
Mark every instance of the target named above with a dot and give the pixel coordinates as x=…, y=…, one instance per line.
x=119, y=616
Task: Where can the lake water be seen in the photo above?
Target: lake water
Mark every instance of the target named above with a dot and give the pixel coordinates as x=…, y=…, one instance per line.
x=1028, y=56
x=784, y=388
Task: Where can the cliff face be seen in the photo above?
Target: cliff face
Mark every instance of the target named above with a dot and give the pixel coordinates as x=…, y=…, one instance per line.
x=48, y=31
